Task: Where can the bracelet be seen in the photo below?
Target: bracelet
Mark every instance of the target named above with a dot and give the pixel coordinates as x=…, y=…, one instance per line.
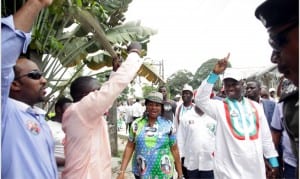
x=181, y=177
x=121, y=171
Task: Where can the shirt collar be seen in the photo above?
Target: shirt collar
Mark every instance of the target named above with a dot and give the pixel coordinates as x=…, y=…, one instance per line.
x=26, y=108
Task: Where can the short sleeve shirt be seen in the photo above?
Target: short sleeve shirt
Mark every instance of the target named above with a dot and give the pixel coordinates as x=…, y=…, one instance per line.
x=152, y=157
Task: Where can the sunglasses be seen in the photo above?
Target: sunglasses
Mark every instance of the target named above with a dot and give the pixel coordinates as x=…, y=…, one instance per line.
x=35, y=75
x=278, y=40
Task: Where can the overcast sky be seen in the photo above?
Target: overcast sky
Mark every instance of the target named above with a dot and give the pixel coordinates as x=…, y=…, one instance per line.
x=193, y=31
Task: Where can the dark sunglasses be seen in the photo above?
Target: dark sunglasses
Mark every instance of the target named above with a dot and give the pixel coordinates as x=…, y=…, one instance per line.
x=278, y=40
x=35, y=75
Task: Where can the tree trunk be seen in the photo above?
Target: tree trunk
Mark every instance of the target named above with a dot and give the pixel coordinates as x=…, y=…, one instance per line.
x=112, y=127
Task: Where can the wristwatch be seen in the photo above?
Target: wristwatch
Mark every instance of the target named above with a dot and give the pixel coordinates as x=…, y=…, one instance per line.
x=181, y=177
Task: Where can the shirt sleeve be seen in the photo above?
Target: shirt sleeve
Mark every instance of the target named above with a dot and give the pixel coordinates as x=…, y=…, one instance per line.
x=277, y=118
x=96, y=103
x=181, y=136
x=133, y=131
x=267, y=142
x=172, y=136
x=202, y=99
x=176, y=118
x=13, y=42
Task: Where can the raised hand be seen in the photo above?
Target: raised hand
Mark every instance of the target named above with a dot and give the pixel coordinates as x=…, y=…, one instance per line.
x=221, y=65
x=116, y=62
x=134, y=47
x=42, y=3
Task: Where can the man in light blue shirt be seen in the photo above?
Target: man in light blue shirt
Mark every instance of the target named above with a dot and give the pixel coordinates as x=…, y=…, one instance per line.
x=27, y=146
x=281, y=140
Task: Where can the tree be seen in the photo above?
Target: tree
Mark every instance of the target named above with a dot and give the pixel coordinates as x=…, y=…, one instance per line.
x=77, y=33
x=69, y=32
x=177, y=80
x=147, y=89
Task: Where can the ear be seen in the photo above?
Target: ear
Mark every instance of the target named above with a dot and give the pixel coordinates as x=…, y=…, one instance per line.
x=15, y=86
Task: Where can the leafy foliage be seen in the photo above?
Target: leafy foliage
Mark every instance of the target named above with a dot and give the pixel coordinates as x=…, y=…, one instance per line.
x=177, y=80
x=67, y=32
x=147, y=89
x=203, y=71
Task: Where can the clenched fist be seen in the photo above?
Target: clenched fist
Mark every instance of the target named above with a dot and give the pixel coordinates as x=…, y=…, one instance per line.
x=221, y=65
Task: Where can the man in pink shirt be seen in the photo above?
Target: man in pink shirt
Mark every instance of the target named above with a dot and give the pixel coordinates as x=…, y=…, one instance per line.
x=87, y=147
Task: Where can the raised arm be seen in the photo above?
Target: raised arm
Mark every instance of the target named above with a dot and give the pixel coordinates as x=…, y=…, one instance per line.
x=26, y=15
x=99, y=101
x=202, y=99
x=15, y=38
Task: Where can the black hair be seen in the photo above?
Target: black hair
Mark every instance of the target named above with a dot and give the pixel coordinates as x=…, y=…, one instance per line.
x=80, y=87
x=62, y=101
x=17, y=68
x=162, y=86
x=258, y=83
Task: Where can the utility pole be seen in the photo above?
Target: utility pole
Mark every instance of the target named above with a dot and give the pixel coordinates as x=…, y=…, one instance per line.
x=162, y=69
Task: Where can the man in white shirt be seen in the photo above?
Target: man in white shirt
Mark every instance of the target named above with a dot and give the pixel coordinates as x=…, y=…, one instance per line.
x=243, y=137
x=137, y=109
x=182, y=109
x=197, y=134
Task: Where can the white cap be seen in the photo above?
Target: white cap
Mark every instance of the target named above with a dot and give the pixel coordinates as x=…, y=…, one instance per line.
x=272, y=89
x=187, y=87
x=232, y=73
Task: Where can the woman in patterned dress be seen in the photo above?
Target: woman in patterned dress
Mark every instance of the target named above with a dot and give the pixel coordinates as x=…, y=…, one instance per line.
x=152, y=143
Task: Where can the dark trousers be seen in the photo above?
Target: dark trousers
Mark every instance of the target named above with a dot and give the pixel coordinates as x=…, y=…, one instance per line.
x=289, y=171
x=128, y=125
x=196, y=174
x=184, y=170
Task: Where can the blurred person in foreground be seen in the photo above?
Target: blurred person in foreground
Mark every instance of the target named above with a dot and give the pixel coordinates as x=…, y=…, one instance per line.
x=27, y=146
x=87, y=146
x=153, y=142
x=243, y=137
x=281, y=18
x=281, y=140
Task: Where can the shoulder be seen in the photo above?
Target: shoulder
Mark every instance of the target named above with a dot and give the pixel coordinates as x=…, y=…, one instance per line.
x=268, y=101
x=290, y=95
x=139, y=121
x=254, y=104
x=173, y=103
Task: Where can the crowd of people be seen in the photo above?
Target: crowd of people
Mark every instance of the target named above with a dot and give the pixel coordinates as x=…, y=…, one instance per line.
x=245, y=132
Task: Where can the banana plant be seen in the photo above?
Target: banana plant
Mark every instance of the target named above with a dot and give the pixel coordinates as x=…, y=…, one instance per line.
x=67, y=35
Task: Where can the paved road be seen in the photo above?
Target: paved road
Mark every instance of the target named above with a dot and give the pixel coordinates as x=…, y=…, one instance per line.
x=116, y=162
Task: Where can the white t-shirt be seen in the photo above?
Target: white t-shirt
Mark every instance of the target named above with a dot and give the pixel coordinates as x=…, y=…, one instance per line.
x=197, y=134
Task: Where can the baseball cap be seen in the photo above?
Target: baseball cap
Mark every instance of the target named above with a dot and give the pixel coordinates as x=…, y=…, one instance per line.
x=233, y=74
x=155, y=97
x=274, y=13
x=272, y=89
x=187, y=87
